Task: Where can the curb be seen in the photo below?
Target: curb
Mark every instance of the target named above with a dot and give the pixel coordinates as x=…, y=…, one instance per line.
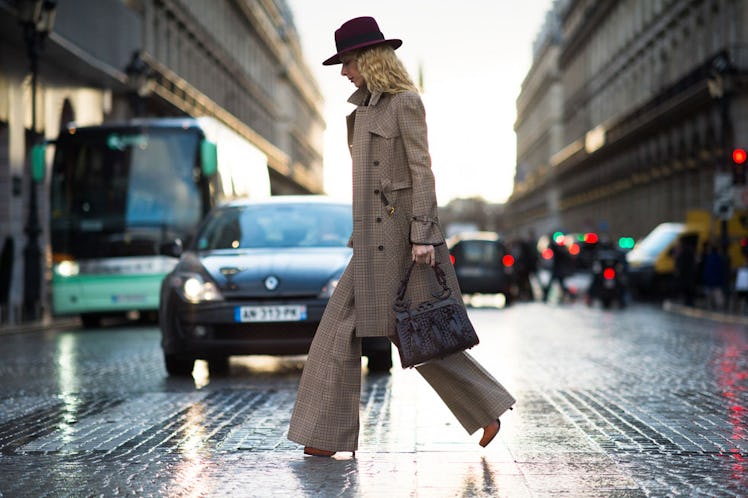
x=671, y=307
x=39, y=326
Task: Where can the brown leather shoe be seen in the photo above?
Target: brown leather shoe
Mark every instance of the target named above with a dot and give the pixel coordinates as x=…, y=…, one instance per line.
x=489, y=432
x=308, y=450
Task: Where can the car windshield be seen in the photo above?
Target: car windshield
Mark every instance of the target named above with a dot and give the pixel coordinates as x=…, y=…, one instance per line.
x=276, y=225
x=661, y=237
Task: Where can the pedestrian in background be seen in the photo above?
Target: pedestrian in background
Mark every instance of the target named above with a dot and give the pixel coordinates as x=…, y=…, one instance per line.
x=741, y=282
x=531, y=249
x=713, y=276
x=525, y=267
x=686, y=270
x=560, y=267
x=394, y=223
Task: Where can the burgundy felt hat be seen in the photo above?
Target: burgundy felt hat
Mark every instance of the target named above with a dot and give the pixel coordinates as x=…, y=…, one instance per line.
x=358, y=33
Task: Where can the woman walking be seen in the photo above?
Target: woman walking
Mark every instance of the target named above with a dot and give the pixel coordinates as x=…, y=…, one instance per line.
x=394, y=223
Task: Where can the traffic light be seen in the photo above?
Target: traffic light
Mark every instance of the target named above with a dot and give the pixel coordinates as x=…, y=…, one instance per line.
x=626, y=243
x=591, y=238
x=739, y=157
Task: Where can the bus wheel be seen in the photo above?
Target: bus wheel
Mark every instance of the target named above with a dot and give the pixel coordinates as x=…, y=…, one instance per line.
x=91, y=320
x=178, y=366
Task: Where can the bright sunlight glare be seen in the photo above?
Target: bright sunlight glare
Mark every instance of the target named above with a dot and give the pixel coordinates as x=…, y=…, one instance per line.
x=472, y=57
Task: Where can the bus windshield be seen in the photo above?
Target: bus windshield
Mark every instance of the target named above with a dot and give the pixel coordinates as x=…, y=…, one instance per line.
x=123, y=191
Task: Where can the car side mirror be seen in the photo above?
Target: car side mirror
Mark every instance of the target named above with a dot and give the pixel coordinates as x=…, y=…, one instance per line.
x=173, y=248
x=208, y=157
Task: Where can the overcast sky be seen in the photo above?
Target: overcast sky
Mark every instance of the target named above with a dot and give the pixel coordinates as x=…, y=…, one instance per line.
x=474, y=55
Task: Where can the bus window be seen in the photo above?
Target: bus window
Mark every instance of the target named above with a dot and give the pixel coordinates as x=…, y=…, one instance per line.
x=161, y=185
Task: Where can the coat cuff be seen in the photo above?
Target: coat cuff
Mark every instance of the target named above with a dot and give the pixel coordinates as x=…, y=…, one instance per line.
x=425, y=231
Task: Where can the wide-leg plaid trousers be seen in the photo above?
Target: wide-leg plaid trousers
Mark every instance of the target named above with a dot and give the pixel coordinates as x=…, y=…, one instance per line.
x=326, y=413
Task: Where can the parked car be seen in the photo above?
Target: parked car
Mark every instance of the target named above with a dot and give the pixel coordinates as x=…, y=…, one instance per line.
x=255, y=279
x=483, y=263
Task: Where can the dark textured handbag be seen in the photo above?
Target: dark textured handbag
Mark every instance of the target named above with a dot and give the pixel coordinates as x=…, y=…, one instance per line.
x=433, y=329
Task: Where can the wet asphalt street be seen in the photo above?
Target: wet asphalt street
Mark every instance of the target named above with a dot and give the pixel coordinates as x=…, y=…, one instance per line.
x=633, y=402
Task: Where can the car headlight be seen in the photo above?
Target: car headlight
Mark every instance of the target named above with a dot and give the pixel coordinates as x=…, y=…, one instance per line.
x=67, y=268
x=195, y=289
x=329, y=287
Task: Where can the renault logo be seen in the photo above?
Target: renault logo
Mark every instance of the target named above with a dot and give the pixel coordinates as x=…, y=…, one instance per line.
x=271, y=283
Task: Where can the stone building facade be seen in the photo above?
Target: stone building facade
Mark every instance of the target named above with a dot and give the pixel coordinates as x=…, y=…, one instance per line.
x=239, y=61
x=629, y=110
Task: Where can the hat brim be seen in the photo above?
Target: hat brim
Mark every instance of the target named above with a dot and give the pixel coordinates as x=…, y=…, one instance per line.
x=335, y=59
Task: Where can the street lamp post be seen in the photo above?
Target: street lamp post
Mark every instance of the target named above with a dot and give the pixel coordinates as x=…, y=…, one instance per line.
x=37, y=18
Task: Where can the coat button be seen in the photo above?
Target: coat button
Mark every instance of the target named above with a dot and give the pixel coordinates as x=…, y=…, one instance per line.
x=376, y=163
x=379, y=220
x=381, y=248
x=376, y=191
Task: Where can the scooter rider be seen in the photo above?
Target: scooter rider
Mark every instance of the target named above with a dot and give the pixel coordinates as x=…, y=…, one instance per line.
x=608, y=257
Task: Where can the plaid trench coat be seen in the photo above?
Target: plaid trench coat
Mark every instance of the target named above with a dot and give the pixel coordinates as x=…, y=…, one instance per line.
x=394, y=206
x=394, y=203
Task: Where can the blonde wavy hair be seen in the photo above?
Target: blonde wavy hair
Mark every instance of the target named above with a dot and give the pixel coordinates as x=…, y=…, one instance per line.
x=383, y=70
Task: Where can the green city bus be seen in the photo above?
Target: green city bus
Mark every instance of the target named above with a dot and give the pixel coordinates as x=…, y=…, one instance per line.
x=119, y=193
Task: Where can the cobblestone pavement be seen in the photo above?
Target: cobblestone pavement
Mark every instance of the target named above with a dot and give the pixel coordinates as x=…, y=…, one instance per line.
x=627, y=403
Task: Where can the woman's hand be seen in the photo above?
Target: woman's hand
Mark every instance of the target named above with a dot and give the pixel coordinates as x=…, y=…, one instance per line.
x=423, y=254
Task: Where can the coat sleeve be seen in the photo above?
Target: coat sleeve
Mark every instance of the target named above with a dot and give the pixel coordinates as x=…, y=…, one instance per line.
x=424, y=225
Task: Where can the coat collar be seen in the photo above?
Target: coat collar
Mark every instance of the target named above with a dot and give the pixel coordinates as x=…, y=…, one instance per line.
x=360, y=95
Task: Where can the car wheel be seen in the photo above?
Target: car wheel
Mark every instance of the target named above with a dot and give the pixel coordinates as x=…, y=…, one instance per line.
x=178, y=366
x=380, y=361
x=218, y=366
x=508, y=299
x=149, y=317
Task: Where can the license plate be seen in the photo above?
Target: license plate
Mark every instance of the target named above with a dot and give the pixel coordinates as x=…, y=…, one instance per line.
x=472, y=272
x=278, y=313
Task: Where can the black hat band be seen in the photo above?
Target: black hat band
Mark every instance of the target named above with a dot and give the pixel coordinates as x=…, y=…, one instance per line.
x=359, y=39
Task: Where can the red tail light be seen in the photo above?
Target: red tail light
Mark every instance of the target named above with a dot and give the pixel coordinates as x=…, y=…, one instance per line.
x=508, y=260
x=452, y=258
x=609, y=274
x=574, y=249
x=547, y=253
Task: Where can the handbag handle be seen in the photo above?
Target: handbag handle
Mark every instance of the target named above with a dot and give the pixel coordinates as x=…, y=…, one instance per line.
x=441, y=278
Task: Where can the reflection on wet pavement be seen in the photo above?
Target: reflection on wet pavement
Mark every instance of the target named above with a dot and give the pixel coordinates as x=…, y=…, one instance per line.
x=634, y=403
